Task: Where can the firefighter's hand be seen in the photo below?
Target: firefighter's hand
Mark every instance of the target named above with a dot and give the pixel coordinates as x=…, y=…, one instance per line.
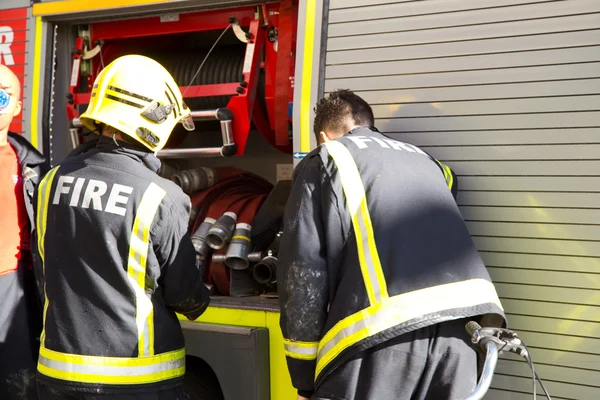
x=302, y=398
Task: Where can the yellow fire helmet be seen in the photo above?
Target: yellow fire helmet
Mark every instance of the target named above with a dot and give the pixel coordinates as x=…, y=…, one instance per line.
x=137, y=96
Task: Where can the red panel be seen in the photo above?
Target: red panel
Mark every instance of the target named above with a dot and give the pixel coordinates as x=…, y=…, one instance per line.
x=190, y=22
x=242, y=105
x=265, y=123
x=15, y=13
x=13, y=37
x=260, y=55
x=19, y=47
x=217, y=89
x=18, y=69
x=282, y=75
x=221, y=89
x=81, y=98
x=15, y=24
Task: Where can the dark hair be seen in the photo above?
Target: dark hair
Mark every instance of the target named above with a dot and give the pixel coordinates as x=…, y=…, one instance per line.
x=334, y=112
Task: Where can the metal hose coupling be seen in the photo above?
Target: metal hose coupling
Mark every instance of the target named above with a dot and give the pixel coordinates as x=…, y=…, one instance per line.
x=254, y=257
x=266, y=270
x=236, y=256
x=199, y=238
x=166, y=170
x=220, y=232
x=194, y=180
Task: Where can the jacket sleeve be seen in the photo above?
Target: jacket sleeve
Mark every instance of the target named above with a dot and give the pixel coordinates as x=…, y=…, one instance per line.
x=449, y=175
x=182, y=277
x=451, y=178
x=302, y=275
x=38, y=266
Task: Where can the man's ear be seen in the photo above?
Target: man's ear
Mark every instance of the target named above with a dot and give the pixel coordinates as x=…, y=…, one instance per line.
x=324, y=137
x=17, y=109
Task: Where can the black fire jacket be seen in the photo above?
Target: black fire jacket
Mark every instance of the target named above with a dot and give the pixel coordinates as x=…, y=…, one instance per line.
x=117, y=263
x=374, y=246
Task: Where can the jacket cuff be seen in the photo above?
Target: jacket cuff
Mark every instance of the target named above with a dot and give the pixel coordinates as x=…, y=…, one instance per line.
x=305, y=393
x=302, y=373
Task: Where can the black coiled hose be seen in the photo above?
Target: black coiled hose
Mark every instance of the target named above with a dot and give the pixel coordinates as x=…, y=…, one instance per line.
x=223, y=65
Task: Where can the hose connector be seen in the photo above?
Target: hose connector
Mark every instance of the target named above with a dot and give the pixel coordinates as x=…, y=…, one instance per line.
x=166, y=171
x=253, y=257
x=266, y=270
x=194, y=180
x=236, y=256
x=220, y=232
x=199, y=238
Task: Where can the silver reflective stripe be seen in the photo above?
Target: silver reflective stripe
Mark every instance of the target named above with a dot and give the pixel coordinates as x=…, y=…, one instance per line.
x=370, y=320
x=368, y=257
x=356, y=199
x=301, y=350
x=105, y=370
x=139, y=245
x=402, y=309
x=43, y=204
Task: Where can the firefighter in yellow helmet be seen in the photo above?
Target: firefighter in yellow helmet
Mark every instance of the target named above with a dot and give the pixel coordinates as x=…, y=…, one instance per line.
x=112, y=246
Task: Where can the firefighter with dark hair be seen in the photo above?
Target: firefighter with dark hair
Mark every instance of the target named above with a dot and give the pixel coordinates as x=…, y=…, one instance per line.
x=113, y=248
x=378, y=272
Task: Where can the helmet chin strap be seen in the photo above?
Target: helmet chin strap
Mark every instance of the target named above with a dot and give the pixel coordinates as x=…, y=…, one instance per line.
x=115, y=140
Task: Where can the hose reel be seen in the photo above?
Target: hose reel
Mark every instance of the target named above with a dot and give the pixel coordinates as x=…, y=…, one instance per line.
x=224, y=65
x=244, y=76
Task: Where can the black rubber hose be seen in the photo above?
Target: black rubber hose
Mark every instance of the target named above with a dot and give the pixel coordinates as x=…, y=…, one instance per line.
x=224, y=65
x=266, y=270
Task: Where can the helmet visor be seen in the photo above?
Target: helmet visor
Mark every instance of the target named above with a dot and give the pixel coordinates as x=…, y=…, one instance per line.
x=187, y=121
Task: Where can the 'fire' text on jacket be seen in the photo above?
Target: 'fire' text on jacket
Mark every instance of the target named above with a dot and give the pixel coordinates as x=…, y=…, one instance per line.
x=361, y=143
x=94, y=192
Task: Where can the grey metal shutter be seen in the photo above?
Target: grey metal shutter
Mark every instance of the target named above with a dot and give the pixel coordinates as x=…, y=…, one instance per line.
x=508, y=94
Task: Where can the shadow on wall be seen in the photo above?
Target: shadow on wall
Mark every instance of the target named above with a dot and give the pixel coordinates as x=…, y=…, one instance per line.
x=408, y=116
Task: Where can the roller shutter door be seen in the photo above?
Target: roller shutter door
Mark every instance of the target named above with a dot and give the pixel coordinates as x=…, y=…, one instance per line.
x=508, y=94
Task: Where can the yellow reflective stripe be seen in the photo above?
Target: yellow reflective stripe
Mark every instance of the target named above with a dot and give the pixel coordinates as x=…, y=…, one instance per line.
x=300, y=343
x=401, y=309
x=139, y=244
x=43, y=199
x=111, y=370
x=300, y=350
x=307, y=75
x=241, y=237
x=449, y=179
x=447, y=174
x=99, y=361
x=356, y=199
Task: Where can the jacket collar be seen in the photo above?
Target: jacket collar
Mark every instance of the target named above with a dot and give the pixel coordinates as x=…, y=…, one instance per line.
x=26, y=153
x=363, y=129
x=107, y=145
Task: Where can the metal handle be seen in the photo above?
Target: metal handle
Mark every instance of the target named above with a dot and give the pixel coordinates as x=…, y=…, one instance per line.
x=229, y=148
x=491, y=359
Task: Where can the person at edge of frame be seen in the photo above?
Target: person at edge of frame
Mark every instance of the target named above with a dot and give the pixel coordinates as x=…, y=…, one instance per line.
x=113, y=249
x=21, y=168
x=378, y=272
